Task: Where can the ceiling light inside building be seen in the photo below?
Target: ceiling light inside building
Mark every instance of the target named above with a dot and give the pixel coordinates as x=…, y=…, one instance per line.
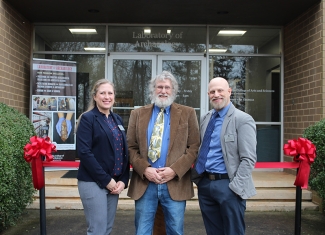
x=147, y=31
x=231, y=33
x=217, y=50
x=94, y=48
x=83, y=31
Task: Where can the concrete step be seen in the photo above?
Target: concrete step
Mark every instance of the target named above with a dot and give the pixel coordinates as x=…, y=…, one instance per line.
x=273, y=179
x=75, y=203
x=53, y=191
x=280, y=194
x=275, y=192
x=264, y=179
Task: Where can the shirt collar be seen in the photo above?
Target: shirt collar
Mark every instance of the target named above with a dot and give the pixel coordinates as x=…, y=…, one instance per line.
x=157, y=109
x=223, y=111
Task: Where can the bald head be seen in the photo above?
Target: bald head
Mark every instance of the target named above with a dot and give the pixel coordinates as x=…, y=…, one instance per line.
x=219, y=81
x=219, y=93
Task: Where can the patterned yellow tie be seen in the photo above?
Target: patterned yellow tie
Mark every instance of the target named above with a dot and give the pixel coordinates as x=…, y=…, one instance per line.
x=156, y=137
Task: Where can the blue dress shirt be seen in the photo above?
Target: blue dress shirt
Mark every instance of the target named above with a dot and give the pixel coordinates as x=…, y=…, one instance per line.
x=215, y=162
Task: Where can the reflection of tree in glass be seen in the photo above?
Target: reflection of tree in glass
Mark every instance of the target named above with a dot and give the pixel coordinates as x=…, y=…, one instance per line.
x=234, y=70
x=93, y=66
x=188, y=47
x=133, y=75
x=120, y=47
x=75, y=46
x=126, y=47
x=147, y=49
x=222, y=66
x=188, y=74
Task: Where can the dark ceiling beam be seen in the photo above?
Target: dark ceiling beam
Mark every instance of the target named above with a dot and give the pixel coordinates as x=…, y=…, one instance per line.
x=220, y=12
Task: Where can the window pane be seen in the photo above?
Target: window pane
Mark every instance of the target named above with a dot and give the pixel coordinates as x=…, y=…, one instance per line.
x=159, y=39
x=255, y=83
x=253, y=41
x=268, y=143
x=60, y=38
x=131, y=78
x=188, y=75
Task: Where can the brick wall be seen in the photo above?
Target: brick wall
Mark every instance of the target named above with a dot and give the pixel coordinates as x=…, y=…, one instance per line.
x=303, y=72
x=15, y=52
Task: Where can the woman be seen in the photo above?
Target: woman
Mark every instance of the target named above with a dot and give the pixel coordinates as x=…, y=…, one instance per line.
x=104, y=167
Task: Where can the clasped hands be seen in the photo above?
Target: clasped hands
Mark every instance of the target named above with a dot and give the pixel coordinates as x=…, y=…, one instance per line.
x=159, y=175
x=115, y=187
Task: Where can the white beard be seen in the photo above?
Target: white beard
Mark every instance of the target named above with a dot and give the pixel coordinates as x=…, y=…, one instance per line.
x=163, y=103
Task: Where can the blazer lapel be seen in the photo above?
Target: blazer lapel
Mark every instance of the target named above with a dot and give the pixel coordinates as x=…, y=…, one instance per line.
x=175, y=115
x=105, y=127
x=204, y=123
x=227, y=119
x=144, y=118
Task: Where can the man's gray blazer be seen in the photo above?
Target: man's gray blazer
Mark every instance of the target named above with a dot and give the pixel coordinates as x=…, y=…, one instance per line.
x=238, y=143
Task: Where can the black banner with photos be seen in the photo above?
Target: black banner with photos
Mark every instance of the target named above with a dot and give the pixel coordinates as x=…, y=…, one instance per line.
x=54, y=89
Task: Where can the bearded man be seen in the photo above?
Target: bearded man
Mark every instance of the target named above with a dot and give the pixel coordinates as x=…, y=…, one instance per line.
x=163, y=140
x=226, y=159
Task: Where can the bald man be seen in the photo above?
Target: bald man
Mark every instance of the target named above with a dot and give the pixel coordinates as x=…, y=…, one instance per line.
x=226, y=159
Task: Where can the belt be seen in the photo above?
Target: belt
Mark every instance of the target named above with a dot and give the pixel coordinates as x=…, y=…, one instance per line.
x=215, y=176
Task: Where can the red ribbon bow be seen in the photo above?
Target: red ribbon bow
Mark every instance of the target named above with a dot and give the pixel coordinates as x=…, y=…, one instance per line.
x=33, y=152
x=304, y=152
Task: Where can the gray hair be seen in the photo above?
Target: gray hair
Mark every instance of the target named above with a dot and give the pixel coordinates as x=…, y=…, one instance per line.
x=162, y=77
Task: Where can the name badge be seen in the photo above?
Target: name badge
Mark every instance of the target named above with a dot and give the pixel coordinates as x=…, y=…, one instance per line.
x=229, y=138
x=121, y=127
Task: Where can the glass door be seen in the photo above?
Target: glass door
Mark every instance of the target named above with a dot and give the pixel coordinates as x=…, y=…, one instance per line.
x=132, y=73
x=190, y=74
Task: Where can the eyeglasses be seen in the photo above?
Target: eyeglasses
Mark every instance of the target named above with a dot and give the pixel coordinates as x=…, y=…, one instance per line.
x=167, y=88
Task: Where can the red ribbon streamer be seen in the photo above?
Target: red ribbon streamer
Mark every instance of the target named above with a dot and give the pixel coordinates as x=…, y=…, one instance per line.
x=304, y=152
x=33, y=152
